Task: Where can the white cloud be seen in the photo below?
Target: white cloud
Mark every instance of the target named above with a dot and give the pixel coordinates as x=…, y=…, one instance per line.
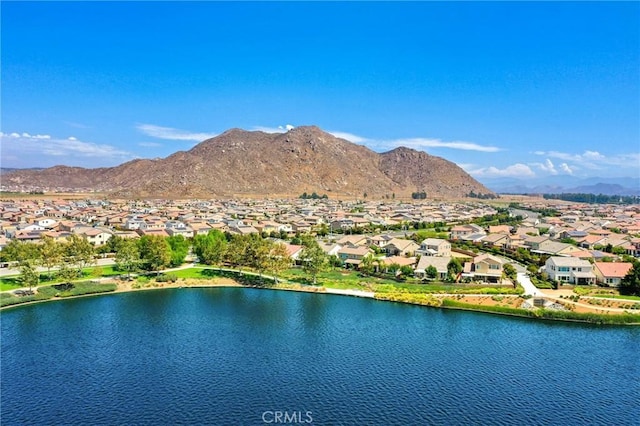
x=515, y=170
x=38, y=150
x=279, y=129
x=420, y=143
x=416, y=143
x=565, y=168
x=547, y=167
x=595, y=160
x=173, y=134
x=350, y=137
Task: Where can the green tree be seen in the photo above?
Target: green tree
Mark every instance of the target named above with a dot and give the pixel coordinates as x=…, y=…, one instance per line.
x=211, y=248
x=431, y=272
x=128, y=256
x=20, y=251
x=334, y=261
x=67, y=273
x=257, y=253
x=29, y=276
x=406, y=271
x=393, y=269
x=630, y=284
x=50, y=254
x=454, y=267
x=113, y=244
x=236, y=253
x=179, y=250
x=79, y=252
x=155, y=252
x=313, y=258
x=367, y=265
x=323, y=230
x=510, y=272
x=278, y=260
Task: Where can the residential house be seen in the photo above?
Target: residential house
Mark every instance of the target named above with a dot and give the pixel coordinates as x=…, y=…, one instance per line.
x=611, y=273
x=353, y=255
x=484, y=267
x=96, y=236
x=434, y=247
x=496, y=240
x=379, y=240
x=330, y=249
x=590, y=241
x=294, y=251
x=400, y=247
x=570, y=270
x=46, y=222
x=533, y=243
x=556, y=248
x=344, y=224
x=499, y=229
x=460, y=231
x=354, y=240
x=133, y=223
x=440, y=263
x=152, y=224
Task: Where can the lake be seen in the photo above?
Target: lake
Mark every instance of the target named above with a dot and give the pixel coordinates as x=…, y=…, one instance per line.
x=247, y=356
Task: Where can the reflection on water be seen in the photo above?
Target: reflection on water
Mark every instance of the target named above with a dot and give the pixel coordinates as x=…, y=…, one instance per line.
x=225, y=355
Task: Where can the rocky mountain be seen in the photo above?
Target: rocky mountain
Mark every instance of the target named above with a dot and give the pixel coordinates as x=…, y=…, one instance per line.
x=243, y=163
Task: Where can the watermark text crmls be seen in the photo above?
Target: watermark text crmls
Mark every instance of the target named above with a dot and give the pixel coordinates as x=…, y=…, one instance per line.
x=287, y=417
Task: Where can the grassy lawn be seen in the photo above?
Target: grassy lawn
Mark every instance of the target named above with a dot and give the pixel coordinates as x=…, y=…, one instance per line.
x=10, y=283
x=196, y=273
x=341, y=279
x=59, y=290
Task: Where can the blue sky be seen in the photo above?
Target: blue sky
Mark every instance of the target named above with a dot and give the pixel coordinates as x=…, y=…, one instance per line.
x=527, y=90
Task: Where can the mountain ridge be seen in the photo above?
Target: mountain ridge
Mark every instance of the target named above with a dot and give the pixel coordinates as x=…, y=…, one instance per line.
x=239, y=162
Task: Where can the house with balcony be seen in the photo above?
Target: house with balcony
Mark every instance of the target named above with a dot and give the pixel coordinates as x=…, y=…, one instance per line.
x=434, y=247
x=484, y=267
x=570, y=270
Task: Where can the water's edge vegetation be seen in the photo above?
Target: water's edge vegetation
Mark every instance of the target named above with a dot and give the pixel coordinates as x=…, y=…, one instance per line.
x=249, y=280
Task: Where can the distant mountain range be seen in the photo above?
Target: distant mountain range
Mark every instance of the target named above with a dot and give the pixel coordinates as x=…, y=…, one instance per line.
x=243, y=163
x=566, y=184
x=5, y=170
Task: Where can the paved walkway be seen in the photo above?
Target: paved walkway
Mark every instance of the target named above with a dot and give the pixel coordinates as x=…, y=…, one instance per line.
x=529, y=288
x=5, y=272
x=357, y=293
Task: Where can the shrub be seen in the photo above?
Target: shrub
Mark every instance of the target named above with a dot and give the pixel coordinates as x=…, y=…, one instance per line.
x=171, y=278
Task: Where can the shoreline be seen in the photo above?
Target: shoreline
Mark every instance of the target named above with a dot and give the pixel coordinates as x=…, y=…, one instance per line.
x=126, y=287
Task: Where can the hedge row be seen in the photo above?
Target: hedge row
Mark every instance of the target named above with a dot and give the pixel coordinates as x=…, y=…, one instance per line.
x=625, y=318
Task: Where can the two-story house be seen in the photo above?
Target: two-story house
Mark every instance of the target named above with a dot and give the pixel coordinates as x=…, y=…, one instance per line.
x=350, y=255
x=484, y=267
x=400, y=247
x=570, y=270
x=434, y=247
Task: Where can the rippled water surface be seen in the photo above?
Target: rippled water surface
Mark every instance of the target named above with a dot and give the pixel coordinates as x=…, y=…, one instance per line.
x=236, y=356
